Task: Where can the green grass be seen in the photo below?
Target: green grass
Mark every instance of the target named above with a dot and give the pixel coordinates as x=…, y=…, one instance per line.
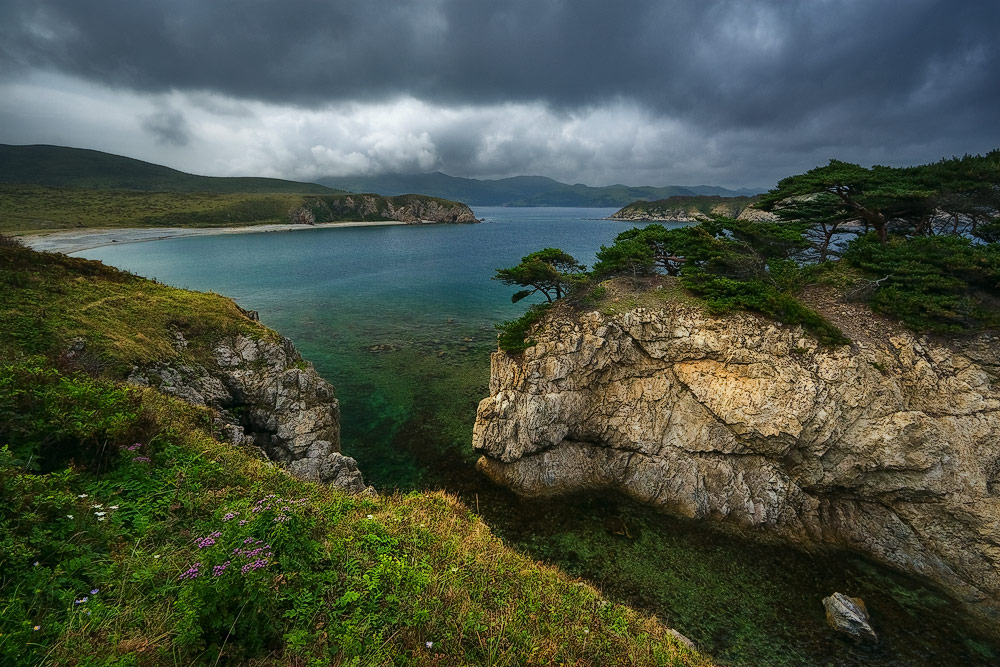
x=49, y=301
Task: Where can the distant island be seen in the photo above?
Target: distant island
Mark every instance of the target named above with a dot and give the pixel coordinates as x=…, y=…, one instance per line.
x=683, y=209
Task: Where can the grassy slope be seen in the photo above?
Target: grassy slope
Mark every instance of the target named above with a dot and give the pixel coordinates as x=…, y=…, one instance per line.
x=60, y=166
x=400, y=579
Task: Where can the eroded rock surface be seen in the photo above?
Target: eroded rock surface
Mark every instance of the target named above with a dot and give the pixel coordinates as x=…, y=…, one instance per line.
x=890, y=446
x=267, y=397
x=849, y=616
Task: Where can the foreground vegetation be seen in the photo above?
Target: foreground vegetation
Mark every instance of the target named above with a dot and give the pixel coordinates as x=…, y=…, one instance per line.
x=131, y=536
x=920, y=244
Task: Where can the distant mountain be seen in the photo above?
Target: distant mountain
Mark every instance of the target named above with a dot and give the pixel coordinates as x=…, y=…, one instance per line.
x=59, y=166
x=520, y=190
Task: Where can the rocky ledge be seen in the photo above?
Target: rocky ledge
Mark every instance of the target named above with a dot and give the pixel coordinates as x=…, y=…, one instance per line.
x=889, y=446
x=267, y=397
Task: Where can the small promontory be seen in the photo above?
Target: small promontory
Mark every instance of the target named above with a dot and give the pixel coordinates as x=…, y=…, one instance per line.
x=682, y=209
x=888, y=446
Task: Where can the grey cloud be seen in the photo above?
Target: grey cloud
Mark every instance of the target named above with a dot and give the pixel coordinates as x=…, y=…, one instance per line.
x=168, y=126
x=856, y=79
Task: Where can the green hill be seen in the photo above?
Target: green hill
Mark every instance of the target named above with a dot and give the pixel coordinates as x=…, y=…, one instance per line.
x=683, y=208
x=60, y=166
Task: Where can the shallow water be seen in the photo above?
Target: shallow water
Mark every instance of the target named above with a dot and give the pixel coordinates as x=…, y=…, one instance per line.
x=400, y=320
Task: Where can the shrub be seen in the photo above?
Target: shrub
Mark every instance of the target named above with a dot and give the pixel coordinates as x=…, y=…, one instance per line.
x=513, y=336
x=936, y=284
x=48, y=418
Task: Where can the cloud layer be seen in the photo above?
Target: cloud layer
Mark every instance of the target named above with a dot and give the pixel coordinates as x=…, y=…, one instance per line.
x=650, y=91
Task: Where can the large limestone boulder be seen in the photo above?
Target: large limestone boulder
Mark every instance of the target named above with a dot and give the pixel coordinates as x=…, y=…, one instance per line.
x=889, y=446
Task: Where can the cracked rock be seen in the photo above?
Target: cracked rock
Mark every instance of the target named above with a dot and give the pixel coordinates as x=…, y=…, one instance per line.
x=890, y=447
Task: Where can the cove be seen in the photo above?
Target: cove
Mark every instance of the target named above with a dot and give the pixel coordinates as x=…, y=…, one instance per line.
x=400, y=320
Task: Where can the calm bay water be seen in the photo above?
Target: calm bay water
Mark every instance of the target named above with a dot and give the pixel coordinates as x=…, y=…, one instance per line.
x=400, y=320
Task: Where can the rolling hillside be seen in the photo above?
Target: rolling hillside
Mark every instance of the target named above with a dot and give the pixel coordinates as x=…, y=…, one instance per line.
x=59, y=166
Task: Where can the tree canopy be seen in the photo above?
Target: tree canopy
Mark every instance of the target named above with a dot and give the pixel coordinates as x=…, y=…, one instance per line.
x=955, y=195
x=550, y=271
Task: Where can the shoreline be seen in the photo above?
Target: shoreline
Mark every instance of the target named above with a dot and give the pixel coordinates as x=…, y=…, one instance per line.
x=69, y=241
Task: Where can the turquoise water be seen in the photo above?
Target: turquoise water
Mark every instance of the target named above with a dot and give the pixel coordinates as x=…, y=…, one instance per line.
x=400, y=320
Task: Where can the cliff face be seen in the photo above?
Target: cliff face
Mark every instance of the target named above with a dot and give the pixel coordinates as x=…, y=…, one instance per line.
x=266, y=396
x=890, y=446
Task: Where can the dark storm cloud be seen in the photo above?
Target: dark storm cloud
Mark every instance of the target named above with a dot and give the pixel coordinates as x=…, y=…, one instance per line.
x=733, y=82
x=760, y=63
x=168, y=126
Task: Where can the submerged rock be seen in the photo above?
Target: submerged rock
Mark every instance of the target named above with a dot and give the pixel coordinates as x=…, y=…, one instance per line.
x=889, y=446
x=849, y=616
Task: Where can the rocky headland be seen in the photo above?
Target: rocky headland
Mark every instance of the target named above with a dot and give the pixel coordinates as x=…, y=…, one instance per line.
x=889, y=446
x=684, y=209
x=403, y=208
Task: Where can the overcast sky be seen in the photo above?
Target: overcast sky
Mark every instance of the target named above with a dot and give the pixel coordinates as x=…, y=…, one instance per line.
x=643, y=92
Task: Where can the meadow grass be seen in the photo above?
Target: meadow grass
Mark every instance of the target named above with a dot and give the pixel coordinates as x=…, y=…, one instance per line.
x=180, y=549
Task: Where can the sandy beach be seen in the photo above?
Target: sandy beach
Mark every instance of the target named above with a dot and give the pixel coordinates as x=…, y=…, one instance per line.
x=69, y=241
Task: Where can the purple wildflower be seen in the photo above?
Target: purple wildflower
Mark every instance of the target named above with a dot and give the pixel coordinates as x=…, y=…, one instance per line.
x=141, y=459
x=95, y=591
x=255, y=565
x=243, y=522
x=192, y=572
x=230, y=516
x=206, y=542
x=219, y=569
